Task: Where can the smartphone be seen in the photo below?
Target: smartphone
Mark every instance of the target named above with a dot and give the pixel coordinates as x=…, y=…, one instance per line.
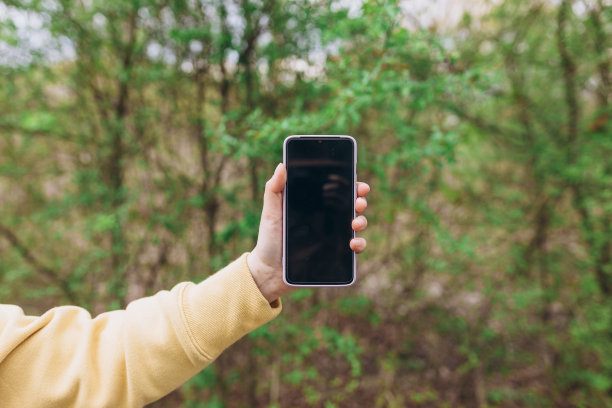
x=319, y=207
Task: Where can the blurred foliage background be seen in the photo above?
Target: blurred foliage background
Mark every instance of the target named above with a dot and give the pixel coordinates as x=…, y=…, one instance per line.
x=136, y=137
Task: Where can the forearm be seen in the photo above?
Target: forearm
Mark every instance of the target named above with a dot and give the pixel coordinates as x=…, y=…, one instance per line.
x=131, y=357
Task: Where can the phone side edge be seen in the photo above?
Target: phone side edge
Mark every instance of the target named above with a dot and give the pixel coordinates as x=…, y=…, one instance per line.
x=354, y=210
x=284, y=257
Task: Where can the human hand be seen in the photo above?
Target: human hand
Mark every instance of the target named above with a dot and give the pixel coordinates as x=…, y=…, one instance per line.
x=265, y=261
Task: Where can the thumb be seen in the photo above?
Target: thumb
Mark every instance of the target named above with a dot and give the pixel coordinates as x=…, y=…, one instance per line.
x=276, y=184
x=273, y=198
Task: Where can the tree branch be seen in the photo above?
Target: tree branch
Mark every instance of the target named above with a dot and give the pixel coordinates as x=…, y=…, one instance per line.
x=38, y=267
x=603, y=65
x=571, y=98
x=569, y=77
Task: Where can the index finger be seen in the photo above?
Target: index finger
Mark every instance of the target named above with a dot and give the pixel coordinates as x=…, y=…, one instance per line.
x=362, y=189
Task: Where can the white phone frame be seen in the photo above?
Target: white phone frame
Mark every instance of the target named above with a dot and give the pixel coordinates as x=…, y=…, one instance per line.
x=287, y=139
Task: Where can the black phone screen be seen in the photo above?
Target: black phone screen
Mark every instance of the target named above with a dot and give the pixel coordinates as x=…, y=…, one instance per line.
x=319, y=209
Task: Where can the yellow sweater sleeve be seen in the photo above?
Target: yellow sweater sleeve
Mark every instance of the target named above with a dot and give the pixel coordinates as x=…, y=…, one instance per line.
x=131, y=357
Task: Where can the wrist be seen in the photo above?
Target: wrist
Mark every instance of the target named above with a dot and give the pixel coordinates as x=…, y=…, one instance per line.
x=265, y=277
